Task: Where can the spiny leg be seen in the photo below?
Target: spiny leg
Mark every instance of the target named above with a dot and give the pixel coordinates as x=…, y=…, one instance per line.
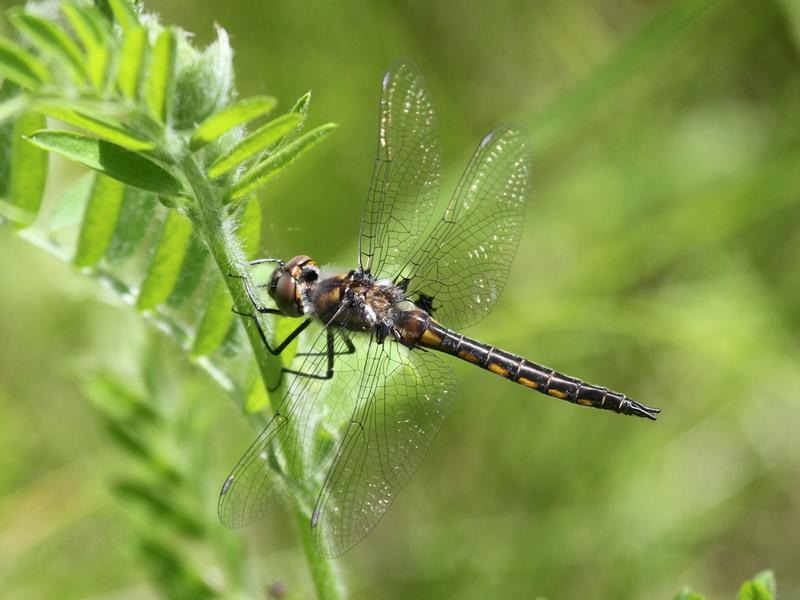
x=351, y=349
x=251, y=294
x=289, y=338
x=330, y=353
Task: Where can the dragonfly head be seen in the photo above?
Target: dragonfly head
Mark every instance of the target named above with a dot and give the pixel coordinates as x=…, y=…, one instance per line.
x=290, y=283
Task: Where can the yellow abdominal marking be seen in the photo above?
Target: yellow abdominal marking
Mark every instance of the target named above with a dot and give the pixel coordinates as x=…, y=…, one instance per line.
x=557, y=394
x=468, y=357
x=430, y=339
x=495, y=368
x=528, y=383
x=584, y=402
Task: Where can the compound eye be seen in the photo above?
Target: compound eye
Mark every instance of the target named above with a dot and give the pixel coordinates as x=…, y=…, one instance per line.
x=285, y=294
x=273, y=282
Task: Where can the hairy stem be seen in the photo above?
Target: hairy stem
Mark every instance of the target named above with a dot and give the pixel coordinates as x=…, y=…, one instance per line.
x=225, y=249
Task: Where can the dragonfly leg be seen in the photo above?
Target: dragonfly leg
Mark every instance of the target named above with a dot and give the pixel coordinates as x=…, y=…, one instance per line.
x=261, y=261
x=351, y=349
x=280, y=347
x=251, y=294
x=330, y=353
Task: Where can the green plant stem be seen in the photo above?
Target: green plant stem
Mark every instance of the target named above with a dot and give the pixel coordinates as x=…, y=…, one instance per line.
x=227, y=253
x=324, y=574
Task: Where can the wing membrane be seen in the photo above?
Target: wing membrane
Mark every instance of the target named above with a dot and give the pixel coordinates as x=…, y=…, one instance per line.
x=296, y=444
x=407, y=174
x=402, y=404
x=465, y=261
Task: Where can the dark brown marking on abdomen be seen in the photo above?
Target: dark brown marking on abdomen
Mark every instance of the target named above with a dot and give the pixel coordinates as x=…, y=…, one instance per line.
x=524, y=372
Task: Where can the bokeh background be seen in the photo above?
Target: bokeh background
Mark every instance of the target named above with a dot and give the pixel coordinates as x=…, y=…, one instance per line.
x=659, y=258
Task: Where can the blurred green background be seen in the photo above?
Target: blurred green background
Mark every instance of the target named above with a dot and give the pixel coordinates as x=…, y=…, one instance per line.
x=659, y=259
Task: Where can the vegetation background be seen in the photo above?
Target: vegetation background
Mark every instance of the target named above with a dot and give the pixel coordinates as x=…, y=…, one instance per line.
x=659, y=258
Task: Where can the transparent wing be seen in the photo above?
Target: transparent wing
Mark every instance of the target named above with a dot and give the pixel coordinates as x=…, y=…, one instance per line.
x=465, y=261
x=407, y=174
x=404, y=397
x=297, y=443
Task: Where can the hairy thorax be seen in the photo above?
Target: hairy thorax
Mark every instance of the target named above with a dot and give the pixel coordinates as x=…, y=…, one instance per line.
x=356, y=301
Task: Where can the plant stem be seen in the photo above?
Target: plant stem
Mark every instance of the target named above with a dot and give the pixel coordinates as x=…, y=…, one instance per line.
x=324, y=574
x=227, y=254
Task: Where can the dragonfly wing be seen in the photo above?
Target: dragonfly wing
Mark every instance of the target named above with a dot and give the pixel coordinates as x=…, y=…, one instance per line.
x=407, y=174
x=464, y=264
x=403, y=401
x=294, y=446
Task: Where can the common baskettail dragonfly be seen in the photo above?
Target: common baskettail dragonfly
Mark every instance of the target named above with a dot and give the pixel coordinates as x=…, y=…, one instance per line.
x=373, y=365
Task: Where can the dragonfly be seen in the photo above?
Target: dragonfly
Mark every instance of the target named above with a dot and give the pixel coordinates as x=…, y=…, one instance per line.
x=374, y=365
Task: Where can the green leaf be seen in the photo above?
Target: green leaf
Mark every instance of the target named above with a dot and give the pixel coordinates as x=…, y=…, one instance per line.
x=760, y=587
x=249, y=227
x=111, y=132
x=117, y=401
x=14, y=214
x=109, y=112
x=12, y=107
x=215, y=322
x=301, y=107
x=255, y=143
x=23, y=169
x=128, y=441
x=160, y=75
x=162, y=507
x=28, y=165
x=90, y=27
x=165, y=265
x=268, y=168
x=282, y=329
x=173, y=573
x=257, y=398
x=71, y=206
x=138, y=209
x=109, y=159
x=87, y=23
x=767, y=578
x=8, y=91
x=230, y=117
x=105, y=9
x=99, y=221
x=130, y=62
x=51, y=40
x=21, y=67
x=125, y=14
x=191, y=275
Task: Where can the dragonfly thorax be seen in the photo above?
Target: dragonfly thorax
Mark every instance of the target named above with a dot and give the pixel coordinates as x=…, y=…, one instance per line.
x=357, y=301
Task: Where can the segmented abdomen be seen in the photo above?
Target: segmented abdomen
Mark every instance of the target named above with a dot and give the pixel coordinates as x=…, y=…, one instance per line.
x=524, y=372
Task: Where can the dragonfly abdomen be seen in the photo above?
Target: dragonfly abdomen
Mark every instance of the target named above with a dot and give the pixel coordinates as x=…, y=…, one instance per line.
x=524, y=372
